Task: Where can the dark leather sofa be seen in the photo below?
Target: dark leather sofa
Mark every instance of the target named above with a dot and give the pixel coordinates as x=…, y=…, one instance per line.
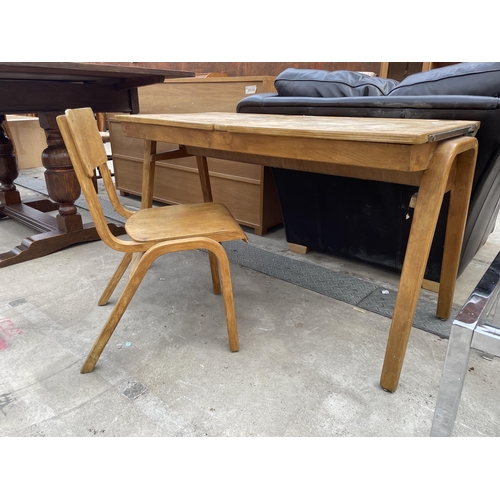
x=371, y=220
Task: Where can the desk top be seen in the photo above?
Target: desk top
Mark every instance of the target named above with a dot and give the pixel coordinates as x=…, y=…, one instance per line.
x=386, y=130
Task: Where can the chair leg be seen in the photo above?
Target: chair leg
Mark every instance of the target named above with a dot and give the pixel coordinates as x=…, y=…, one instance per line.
x=220, y=256
x=115, y=279
x=137, y=276
x=227, y=292
x=136, y=258
x=115, y=316
x=214, y=269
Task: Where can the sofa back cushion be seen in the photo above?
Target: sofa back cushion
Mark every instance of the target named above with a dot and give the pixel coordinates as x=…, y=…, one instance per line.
x=476, y=78
x=320, y=83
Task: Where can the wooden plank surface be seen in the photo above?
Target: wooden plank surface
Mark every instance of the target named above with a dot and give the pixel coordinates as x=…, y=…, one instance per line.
x=386, y=130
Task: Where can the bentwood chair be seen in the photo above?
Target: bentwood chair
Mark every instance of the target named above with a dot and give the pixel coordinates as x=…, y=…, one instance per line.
x=152, y=232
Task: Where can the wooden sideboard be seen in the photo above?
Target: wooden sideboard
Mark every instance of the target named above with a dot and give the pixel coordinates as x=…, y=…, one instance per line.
x=247, y=190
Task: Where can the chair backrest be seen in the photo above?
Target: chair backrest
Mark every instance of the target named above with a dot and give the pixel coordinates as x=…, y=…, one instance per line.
x=86, y=150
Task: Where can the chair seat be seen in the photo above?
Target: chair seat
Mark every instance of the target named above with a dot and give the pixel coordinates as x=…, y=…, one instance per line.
x=212, y=220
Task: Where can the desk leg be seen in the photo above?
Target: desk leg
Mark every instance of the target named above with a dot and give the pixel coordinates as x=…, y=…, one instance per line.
x=206, y=189
x=430, y=195
x=204, y=174
x=58, y=232
x=455, y=227
x=148, y=174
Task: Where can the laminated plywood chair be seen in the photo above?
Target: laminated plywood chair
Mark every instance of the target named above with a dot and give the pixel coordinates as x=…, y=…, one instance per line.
x=152, y=231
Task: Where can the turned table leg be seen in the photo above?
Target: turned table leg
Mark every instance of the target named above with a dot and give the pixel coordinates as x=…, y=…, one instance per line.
x=8, y=170
x=54, y=233
x=61, y=180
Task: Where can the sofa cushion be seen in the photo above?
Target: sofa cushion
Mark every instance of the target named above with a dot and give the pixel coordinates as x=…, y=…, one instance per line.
x=319, y=83
x=476, y=78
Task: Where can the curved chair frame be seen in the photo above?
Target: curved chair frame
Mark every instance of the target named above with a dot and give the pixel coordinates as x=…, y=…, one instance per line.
x=153, y=231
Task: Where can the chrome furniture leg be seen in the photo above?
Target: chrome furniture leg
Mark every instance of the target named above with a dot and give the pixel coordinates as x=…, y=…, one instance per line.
x=452, y=380
x=477, y=326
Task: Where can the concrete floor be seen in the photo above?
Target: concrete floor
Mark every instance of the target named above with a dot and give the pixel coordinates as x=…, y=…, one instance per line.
x=308, y=365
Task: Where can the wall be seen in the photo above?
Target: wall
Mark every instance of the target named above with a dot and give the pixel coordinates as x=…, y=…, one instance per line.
x=252, y=68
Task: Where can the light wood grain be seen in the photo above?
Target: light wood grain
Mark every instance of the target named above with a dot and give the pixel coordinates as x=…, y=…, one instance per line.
x=373, y=145
x=442, y=165
x=194, y=95
x=438, y=156
x=386, y=130
x=152, y=231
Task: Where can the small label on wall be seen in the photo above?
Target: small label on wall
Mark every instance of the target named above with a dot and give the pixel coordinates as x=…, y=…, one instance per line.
x=250, y=89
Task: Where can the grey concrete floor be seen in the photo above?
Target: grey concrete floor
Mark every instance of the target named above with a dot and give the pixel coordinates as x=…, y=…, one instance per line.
x=308, y=365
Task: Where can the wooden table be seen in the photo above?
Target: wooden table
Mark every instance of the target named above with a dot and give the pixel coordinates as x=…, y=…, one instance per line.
x=48, y=89
x=438, y=156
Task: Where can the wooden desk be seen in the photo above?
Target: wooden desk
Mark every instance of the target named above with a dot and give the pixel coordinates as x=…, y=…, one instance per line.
x=48, y=89
x=437, y=156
